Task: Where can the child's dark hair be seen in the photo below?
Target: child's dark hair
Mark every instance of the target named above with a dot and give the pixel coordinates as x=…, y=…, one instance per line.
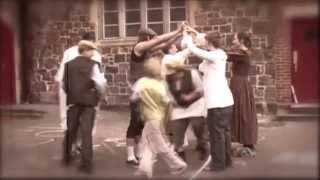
x=90, y=36
x=143, y=37
x=245, y=38
x=144, y=33
x=177, y=43
x=213, y=38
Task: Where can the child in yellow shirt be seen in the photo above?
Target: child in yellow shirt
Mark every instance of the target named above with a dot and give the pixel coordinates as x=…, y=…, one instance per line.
x=155, y=110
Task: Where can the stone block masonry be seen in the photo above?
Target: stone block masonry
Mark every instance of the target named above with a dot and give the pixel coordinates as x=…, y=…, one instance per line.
x=270, y=68
x=228, y=17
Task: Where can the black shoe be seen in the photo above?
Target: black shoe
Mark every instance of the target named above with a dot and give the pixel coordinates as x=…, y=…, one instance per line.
x=78, y=150
x=85, y=168
x=229, y=165
x=138, y=158
x=66, y=161
x=203, y=153
x=213, y=169
x=182, y=154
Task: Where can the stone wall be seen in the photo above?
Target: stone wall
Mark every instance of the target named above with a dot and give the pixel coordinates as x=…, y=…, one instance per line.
x=116, y=61
x=226, y=17
x=52, y=32
x=56, y=25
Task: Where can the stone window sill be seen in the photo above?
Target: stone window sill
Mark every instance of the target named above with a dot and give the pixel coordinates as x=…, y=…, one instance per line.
x=117, y=42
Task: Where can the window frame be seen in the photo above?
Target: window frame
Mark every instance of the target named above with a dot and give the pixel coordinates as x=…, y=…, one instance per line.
x=143, y=16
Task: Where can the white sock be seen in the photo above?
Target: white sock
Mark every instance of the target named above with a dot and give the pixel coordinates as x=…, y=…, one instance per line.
x=139, y=149
x=130, y=153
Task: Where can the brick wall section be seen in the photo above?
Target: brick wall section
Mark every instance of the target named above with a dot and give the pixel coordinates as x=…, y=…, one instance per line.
x=282, y=52
x=228, y=17
x=282, y=56
x=281, y=47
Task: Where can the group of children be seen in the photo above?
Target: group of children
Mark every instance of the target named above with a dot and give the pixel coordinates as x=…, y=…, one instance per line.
x=168, y=96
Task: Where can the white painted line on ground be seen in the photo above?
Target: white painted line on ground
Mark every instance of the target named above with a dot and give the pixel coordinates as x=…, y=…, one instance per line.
x=205, y=164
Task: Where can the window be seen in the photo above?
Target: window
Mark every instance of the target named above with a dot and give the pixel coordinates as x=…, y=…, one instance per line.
x=155, y=16
x=177, y=13
x=123, y=18
x=111, y=16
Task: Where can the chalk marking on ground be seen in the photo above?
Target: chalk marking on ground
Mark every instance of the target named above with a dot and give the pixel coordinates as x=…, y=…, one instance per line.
x=25, y=130
x=96, y=146
x=34, y=128
x=109, y=148
x=112, y=139
x=308, y=158
x=205, y=164
x=262, y=139
x=120, y=142
x=56, y=157
x=239, y=162
x=44, y=142
x=45, y=127
x=59, y=133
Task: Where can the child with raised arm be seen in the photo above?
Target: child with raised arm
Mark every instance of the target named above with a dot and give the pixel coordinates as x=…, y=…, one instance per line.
x=218, y=97
x=148, y=45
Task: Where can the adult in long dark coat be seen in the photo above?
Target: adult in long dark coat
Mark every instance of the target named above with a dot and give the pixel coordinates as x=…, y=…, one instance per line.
x=244, y=125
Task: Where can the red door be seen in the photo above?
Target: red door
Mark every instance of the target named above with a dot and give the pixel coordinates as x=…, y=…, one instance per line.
x=305, y=60
x=7, y=77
